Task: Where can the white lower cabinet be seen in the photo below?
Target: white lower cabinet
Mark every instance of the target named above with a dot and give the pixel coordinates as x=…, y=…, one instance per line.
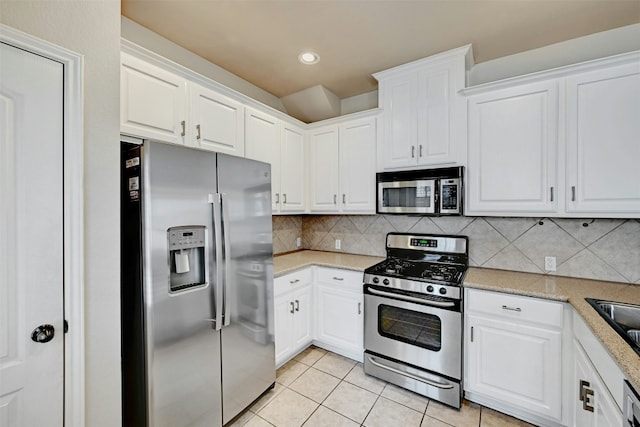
x=319, y=305
x=596, y=388
x=513, y=355
x=293, y=314
x=339, y=312
x=593, y=404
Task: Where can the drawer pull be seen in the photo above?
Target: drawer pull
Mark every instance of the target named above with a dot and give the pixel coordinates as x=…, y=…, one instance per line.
x=585, y=395
x=506, y=307
x=292, y=308
x=359, y=308
x=338, y=278
x=297, y=305
x=294, y=281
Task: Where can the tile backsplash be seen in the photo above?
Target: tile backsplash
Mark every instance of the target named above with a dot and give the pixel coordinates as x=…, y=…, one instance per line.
x=602, y=249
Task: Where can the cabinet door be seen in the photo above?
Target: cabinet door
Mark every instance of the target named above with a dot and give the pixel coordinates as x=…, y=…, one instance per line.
x=603, y=128
x=358, y=166
x=435, y=115
x=515, y=363
x=398, y=120
x=262, y=142
x=292, y=179
x=152, y=101
x=513, y=150
x=217, y=122
x=593, y=405
x=339, y=320
x=302, y=318
x=283, y=327
x=323, y=170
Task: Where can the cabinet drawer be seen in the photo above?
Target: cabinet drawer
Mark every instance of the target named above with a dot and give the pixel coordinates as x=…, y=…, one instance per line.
x=515, y=307
x=349, y=278
x=291, y=281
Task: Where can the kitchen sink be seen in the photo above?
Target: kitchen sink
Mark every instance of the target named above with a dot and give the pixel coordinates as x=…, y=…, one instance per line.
x=624, y=319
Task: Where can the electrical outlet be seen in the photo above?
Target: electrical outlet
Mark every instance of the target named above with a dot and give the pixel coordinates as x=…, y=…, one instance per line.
x=338, y=243
x=550, y=263
x=298, y=242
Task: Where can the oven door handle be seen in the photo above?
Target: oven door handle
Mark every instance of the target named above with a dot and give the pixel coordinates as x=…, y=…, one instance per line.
x=412, y=376
x=443, y=304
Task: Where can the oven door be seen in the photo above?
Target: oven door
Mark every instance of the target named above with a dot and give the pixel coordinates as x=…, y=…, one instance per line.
x=425, y=334
x=407, y=196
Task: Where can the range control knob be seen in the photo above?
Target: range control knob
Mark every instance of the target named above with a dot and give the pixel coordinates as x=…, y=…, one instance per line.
x=385, y=282
x=375, y=280
x=442, y=291
x=430, y=288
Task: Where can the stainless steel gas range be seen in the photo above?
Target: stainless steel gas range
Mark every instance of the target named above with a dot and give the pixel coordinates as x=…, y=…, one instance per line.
x=413, y=314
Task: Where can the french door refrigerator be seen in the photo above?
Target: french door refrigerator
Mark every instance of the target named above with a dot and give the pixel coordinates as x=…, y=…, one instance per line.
x=196, y=288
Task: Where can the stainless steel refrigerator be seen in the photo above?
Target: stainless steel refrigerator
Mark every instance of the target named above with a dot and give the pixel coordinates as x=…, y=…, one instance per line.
x=196, y=286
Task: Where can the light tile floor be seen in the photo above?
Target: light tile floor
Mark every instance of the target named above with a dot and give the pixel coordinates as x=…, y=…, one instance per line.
x=322, y=389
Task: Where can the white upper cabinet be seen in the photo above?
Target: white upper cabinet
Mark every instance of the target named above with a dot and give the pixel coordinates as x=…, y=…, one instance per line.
x=341, y=166
x=357, y=159
x=142, y=86
x=217, y=122
x=564, y=142
x=513, y=145
x=424, y=118
x=280, y=144
x=163, y=106
x=603, y=141
x=292, y=171
x=324, y=169
x=262, y=142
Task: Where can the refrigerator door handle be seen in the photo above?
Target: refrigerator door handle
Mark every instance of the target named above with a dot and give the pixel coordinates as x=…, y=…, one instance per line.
x=219, y=286
x=226, y=317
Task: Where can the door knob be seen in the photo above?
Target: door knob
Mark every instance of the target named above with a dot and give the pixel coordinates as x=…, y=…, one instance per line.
x=43, y=333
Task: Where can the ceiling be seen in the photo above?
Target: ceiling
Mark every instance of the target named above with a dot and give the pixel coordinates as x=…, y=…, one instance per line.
x=259, y=40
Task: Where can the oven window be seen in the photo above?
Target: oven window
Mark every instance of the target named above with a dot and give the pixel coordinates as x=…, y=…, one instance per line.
x=401, y=197
x=412, y=327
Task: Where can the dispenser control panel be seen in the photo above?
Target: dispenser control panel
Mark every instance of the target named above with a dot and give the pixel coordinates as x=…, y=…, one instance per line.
x=185, y=238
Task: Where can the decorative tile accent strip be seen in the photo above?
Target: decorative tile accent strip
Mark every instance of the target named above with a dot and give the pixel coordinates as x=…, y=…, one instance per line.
x=601, y=249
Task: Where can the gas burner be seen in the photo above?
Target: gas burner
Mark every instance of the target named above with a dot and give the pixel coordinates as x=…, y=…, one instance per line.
x=439, y=272
x=395, y=266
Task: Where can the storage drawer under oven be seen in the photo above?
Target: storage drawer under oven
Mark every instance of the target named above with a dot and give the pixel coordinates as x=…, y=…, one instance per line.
x=415, y=333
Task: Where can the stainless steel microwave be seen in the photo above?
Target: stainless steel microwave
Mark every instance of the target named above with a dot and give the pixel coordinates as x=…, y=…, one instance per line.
x=424, y=192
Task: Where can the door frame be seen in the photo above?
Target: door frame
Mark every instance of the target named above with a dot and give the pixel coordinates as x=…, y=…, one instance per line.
x=73, y=214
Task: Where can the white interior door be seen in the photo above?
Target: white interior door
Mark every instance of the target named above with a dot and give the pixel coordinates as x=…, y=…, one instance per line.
x=31, y=238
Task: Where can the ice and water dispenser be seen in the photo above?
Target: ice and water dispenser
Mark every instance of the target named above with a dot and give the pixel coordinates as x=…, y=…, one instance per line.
x=186, y=257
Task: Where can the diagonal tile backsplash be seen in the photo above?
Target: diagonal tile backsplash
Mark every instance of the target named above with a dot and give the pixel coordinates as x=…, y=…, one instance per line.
x=602, y=249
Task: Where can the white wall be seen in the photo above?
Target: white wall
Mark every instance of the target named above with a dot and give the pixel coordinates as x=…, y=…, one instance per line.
x=92, y=28
x=594, y=46
x=154, y=42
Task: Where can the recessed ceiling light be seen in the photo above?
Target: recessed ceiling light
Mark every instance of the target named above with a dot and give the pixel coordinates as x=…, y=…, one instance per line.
x=309, y=58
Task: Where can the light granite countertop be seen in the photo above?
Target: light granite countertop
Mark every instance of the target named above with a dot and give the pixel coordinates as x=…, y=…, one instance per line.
x=283, y=264
x=564, y=289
